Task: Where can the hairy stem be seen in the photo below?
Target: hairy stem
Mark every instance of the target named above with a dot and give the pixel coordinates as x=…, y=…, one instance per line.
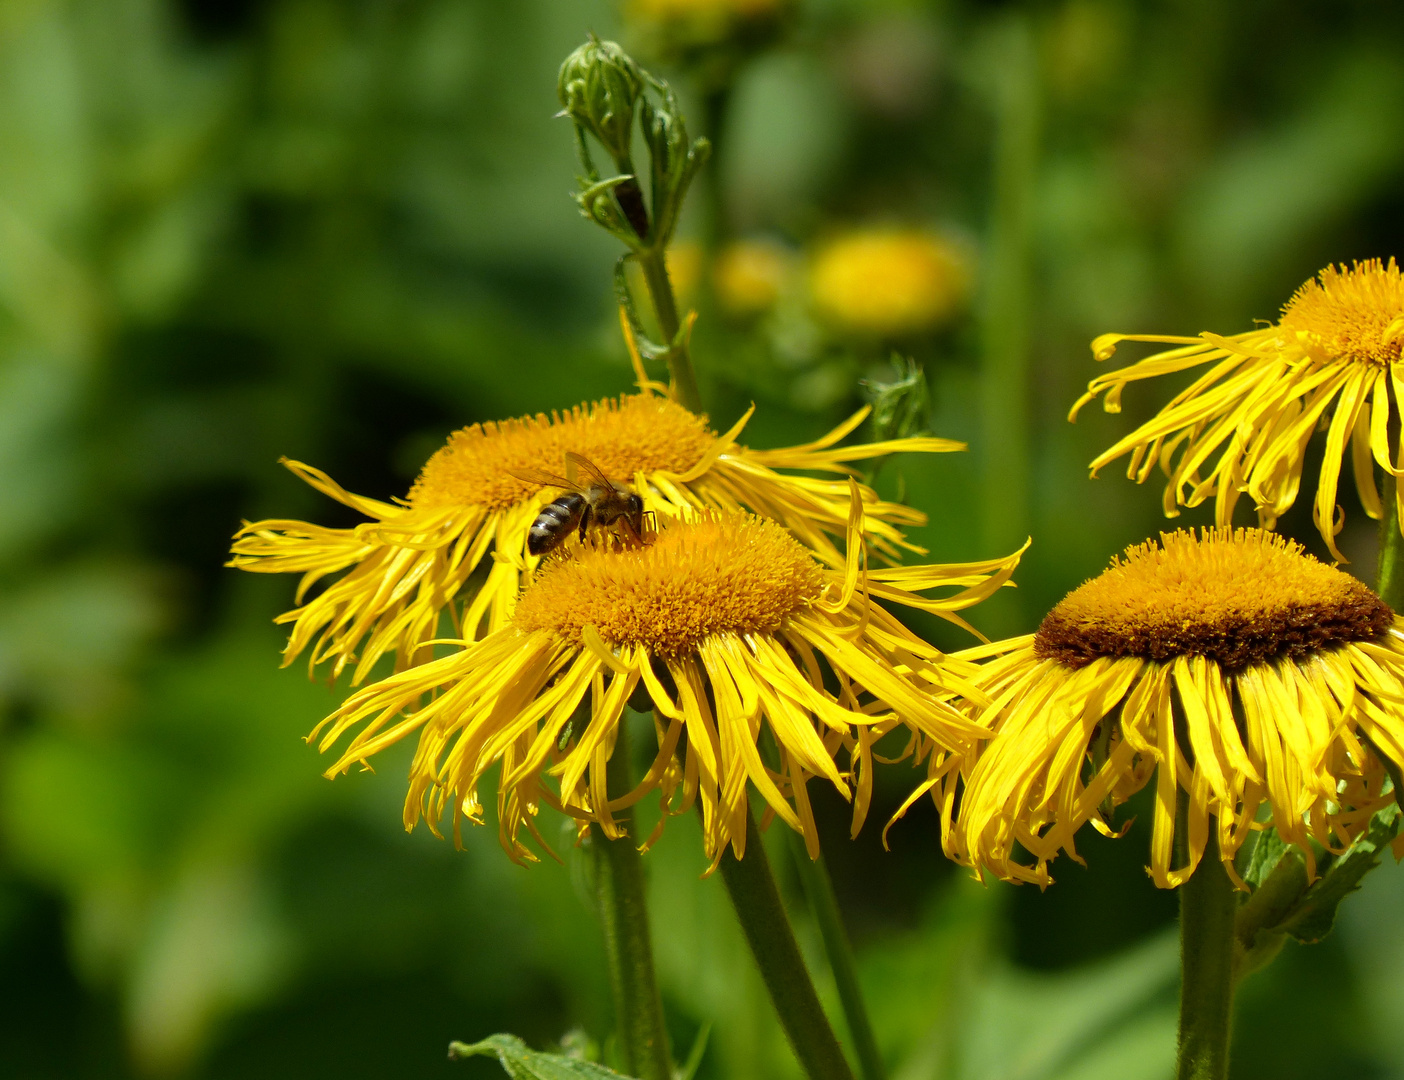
x=619, y=881
x=819, y=890
x=1208, y=908
x=761, y=912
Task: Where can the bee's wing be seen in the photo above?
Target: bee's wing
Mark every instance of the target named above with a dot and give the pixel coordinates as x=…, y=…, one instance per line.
x=590, y=470
x=544, y=479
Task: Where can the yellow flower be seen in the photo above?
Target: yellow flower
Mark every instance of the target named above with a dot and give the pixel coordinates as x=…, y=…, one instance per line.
x=467, y=515
x=750, y=275
x=1230, y=666
x=727, y=624
x=888, y=281
x=701, y=22
x=684, y=261
x=1337, y=343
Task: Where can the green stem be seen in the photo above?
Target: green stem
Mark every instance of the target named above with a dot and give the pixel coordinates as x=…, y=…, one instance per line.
x=819, y=889
x=1389, y=581
x=655, y=271
x=1208, y=907
x=767, y=928
x=716, y=106
x=1012, y=63
x=619, y=882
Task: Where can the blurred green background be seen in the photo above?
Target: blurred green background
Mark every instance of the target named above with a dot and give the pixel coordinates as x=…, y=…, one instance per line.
x=339, y=229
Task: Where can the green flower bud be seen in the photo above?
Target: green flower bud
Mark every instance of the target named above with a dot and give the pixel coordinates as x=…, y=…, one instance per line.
x=599, y=86
x=902, y=407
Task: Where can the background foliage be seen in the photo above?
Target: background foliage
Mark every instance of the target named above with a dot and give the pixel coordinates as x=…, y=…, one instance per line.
x=338, y=229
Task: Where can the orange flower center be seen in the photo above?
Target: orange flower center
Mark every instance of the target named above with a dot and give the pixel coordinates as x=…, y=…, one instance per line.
x=636, y=433
x=693, y=580
x=1355, y=314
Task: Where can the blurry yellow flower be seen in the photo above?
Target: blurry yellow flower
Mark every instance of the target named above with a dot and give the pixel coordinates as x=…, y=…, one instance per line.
x=1337, y=343
x=684, y=261
x=749, y=276
x=700, y=22
x=466, y=512
x=888, y=281
x=1230, y=666
x=727, y=624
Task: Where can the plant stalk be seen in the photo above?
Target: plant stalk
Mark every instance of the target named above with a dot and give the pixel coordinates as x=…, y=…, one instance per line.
x=1208, y=909
x=819, y=889
x=761, y=912
x=1389, y=580
x=1006, y=405
x=619, y=883
x=654, y=265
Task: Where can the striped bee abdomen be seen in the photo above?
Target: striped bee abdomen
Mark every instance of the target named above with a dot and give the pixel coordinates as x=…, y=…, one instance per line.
x=555, y=523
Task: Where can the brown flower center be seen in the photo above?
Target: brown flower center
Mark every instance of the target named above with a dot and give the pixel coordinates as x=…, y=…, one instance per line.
x=1236, y=598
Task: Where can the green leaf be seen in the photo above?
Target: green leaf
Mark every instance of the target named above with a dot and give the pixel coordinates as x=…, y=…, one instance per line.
x=1314, y=916
x=521, y=1063
x=1267, y=852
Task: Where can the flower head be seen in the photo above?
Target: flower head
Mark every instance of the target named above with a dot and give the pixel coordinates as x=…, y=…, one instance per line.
x=727, y=625
x=467, y=516
x=683, y=26
x=888, y=281
x=750, y=275
x=1237, y=671
x=1243, y=425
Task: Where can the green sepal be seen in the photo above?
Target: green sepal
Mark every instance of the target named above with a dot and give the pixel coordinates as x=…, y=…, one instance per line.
x=675, y=159
x=522, y=1063
x=598, y=203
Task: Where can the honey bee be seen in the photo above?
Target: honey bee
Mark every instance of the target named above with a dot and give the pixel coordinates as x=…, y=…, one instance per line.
x=595, y=500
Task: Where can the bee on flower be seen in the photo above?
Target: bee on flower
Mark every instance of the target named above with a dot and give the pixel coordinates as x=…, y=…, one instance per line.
x=726, y=625
x=464, y=528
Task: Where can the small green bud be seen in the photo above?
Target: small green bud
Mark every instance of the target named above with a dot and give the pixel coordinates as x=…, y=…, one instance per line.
x=902, y=407
x=599, y=85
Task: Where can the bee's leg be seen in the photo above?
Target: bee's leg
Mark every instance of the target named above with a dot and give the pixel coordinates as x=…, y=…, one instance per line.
x=584, y=521
x=631, y=531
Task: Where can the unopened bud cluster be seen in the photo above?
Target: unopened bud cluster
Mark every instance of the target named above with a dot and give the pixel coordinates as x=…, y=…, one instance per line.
x=601, y=89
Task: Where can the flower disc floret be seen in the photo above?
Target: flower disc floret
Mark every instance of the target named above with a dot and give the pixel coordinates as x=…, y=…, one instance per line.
x=1355, y=314
x=624, y=437
x=724, y=576
x=1234, y=597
